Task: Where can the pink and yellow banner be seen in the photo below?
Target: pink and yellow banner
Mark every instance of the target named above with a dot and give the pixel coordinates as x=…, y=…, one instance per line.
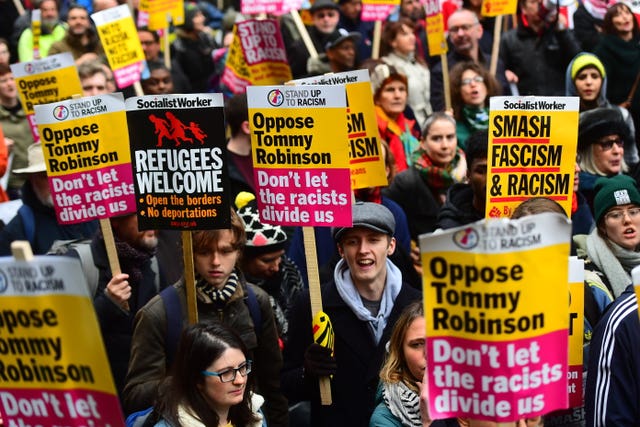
x=378, y=10
x=42, y=81
x=497, y=317
x=435, y=28
x=300, y=159
x=576, y=331
x=55, y=367
x=271, y=7
x=120, y=40
x=257, y=56
x=365, y=154
x=86, y=150
x=532, y=151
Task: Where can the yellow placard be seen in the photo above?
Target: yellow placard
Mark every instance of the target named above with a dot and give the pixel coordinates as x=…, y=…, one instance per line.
x=53, y=356
x=499, y=7
x=576, y=330
x=435, y=28
x=47, y=80
x=159, y=12
x=497, y=314
x=532, y=151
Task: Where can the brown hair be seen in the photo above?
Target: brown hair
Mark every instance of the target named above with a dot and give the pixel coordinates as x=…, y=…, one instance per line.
x=391, y=31
x=204, y=240
x=493, y=88
x=537, y=205
x=613, y=11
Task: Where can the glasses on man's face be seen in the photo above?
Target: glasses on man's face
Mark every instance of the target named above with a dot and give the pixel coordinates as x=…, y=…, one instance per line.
x=607, y=144
x=464, y=27
x=618, y=215
x=229, y=375
x=468, y=81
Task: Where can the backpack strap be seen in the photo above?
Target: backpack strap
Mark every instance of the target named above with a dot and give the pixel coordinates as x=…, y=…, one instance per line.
x=254, y=309
x=173, y=312
x=28, y=223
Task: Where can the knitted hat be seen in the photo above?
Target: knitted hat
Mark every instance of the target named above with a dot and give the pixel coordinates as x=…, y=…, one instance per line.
x=382, y=74
x=373, y=216
x=599, y=122
x=586, y=59
x=614, y=191
x=261, y=238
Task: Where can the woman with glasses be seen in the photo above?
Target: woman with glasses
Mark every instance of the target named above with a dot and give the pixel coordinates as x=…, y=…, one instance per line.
x=471, y=87
x=602, y=135
x=613, y=245
x=210, y=383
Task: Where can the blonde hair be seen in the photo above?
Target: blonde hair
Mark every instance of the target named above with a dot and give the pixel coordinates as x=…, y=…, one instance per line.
x=395, y=369
x=588, y=162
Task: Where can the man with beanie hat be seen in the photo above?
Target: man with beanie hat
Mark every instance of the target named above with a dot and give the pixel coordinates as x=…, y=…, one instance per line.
x=363, y=302
x=265, y=264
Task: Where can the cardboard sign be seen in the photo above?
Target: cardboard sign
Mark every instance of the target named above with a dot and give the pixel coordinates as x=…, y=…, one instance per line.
x=576, y=331
x=86, y=149
x=43, y=81
x=497, y=316
x=55, y=369
x=378, y=10
x=36, y=31
x=499, y=7
x=257, y=56
x=179, y=151
x=301, y=163
x=365, y=154
x=435, y=28
x=120, y=40
x=271, y=7
x=532, y=151
x=155, y=14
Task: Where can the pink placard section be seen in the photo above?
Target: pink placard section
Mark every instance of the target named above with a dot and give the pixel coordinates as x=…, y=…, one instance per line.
x=24, y=407
x=304, y=197
x=126, y=76
x=94, y=194
x=376, y=12
x=497, y=381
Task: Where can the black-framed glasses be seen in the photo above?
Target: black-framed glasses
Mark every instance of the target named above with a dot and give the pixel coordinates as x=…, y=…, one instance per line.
x=228, y=375
x=469, y=80
x=607, y=144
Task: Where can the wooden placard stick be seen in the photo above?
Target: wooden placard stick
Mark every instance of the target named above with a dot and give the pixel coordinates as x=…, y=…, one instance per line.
x=189, y=277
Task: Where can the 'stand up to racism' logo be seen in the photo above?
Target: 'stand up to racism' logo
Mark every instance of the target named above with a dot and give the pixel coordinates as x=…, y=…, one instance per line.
x=4, y=282
x=275, y=97
x=28, y=68
x=60, y=112
x=174, y=130
x=466, y=238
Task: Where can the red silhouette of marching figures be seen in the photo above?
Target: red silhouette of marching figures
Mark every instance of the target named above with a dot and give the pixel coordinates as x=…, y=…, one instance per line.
x=174, y=130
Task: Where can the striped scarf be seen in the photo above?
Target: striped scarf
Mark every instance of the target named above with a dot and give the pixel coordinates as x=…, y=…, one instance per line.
x=403, y=403
x=437, y=178
x=210, y=294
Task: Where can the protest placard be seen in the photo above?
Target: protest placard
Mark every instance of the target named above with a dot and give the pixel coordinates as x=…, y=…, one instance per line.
x=43, y=81
x=120, y=40
x=271, y=7
x=435, y=28
x=300, y=158
x=86, y=149
x=54, y=365
x=257, y=56
x=155, y=14
x=36, y=31
x=497, y=316
x=576, y=331
x=532, y=151
x=378, y=10
x=365, y=154
x=179, y=153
